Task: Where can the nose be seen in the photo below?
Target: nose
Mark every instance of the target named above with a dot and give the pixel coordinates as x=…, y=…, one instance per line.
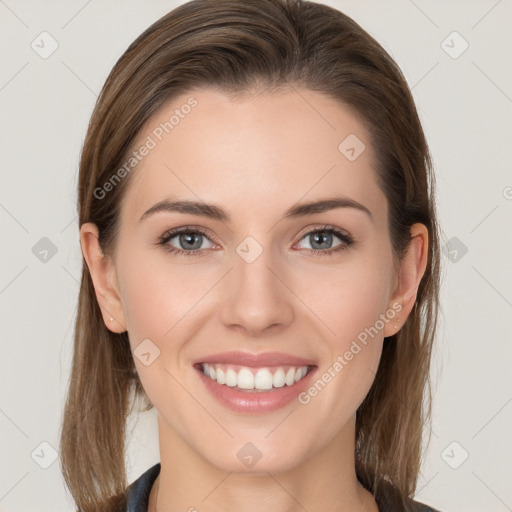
x=255, y=296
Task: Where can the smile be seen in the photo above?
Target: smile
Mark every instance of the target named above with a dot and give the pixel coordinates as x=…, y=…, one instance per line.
x=255, y=383
x=249, y=379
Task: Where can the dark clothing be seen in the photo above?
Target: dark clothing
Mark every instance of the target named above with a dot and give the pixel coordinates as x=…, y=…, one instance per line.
x=138, y=496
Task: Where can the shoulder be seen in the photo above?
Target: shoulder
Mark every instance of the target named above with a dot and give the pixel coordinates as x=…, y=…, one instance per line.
x=138, y=491
x=421, y=507
x=389, y=499
x=405, y=505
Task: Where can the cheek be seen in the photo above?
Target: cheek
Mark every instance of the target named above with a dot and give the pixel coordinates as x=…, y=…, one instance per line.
x=352, y=303
x=162, y=303
x=158, y=303
x=347, y=298
x=157, y=296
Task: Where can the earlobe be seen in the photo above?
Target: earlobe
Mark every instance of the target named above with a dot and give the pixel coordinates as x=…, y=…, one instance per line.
x=411, y=270
x=103, y=275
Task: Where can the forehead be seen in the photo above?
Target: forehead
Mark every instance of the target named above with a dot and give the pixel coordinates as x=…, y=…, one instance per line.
x=265, y=150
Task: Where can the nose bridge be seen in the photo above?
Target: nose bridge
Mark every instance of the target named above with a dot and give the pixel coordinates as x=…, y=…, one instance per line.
x=255, y=298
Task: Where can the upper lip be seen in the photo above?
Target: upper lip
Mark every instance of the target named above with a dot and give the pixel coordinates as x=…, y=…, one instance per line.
x=256, y=360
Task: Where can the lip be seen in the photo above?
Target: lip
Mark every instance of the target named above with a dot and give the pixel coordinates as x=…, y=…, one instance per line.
x=256, y=402
x=261, y=360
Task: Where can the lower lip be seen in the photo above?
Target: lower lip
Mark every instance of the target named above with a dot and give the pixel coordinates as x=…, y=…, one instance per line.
x=257, y=401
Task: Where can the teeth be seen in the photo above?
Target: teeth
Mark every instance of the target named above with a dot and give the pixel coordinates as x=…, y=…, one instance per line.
x=262, y=379
x=231, y=378
x=278, y=380
x=245, y=379
x=221, y=376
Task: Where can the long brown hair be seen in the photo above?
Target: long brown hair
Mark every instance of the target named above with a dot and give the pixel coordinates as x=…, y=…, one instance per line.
x=235, y=46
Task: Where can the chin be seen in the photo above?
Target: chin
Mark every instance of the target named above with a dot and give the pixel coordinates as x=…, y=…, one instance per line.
x=256, y=458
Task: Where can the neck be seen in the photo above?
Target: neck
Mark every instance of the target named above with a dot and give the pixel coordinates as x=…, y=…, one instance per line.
x=325, y=481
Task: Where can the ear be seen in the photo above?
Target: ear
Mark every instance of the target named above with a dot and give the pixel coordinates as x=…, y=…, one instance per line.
x=104, y=278
x=411, y=269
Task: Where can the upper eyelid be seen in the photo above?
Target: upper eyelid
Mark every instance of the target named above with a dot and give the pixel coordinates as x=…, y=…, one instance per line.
x=324, y=227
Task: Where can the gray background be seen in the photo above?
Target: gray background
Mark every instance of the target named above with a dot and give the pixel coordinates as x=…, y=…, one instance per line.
x=465, y=104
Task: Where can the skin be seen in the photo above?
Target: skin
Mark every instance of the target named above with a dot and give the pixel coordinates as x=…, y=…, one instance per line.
x=255, y=156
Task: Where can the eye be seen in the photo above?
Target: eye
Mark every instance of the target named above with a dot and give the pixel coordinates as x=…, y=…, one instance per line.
x=320, y=240
x=189, y=241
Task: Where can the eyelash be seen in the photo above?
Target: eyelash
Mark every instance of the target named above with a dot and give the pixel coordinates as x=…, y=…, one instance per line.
x=345, y=238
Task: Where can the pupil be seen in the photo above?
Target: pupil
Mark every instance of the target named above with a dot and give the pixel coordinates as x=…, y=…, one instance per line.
x=320, y=236
x=188, y=238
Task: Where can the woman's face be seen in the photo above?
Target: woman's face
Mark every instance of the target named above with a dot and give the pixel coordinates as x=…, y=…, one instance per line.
x=266, y=292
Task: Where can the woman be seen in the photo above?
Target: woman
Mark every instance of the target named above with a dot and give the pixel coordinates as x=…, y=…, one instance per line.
x=261, y=266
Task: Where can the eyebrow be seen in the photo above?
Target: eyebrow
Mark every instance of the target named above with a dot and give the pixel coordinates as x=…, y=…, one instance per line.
x=217, y=213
